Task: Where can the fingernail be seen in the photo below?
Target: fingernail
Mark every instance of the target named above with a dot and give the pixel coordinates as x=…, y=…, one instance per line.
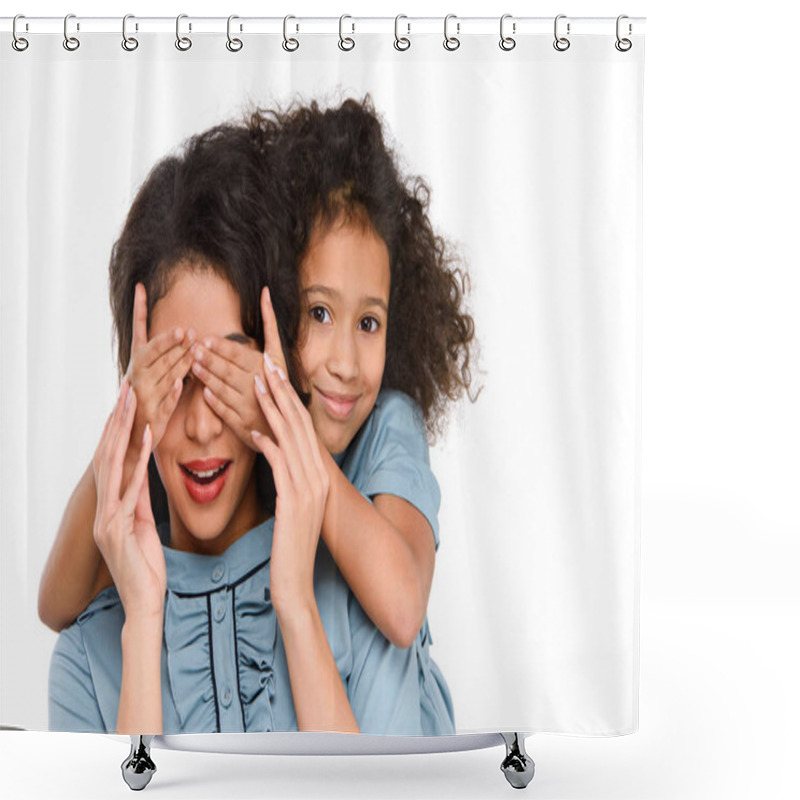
x=260, y=385
x=191, y=335
x=198, y=353
x=268, y=361
x=128, y=397
x=208, y=343
x=177, y=334
x=269, y=296
x=196, y=368
x=281, y=373
x=256, y=435
x=146, y=431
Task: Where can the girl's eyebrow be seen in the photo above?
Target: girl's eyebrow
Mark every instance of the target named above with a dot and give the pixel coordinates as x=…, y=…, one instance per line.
x=332, y=293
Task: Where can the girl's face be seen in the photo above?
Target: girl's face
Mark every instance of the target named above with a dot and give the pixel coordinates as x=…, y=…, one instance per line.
x=207, y=471
x=344, y=284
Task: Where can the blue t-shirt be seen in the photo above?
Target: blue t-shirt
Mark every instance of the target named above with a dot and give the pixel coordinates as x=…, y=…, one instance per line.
x=223, y=665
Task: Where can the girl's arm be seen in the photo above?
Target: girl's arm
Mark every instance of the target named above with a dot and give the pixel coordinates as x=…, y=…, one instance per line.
x=301, y=482
x=385, y=550
x=75, y=571
x=126, y=536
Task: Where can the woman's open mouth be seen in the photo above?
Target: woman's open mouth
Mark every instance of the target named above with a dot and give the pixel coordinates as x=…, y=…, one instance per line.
x=205, y=479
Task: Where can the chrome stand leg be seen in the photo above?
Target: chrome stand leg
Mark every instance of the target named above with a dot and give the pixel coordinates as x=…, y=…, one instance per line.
x=517, y=766
x=138, y=768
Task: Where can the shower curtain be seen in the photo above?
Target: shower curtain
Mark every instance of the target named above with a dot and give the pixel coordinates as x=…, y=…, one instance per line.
x=531, y=145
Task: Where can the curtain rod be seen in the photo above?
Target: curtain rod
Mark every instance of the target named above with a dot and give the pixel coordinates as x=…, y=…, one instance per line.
x=462, y=26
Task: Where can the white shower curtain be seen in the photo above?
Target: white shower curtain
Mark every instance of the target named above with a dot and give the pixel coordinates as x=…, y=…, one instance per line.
x=533, y=157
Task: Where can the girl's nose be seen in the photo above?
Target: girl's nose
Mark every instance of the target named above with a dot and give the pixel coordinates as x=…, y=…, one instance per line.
x=343, y=356
x=202, y=424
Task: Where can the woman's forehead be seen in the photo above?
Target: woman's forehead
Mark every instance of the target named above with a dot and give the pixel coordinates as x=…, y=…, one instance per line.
x=198, y=298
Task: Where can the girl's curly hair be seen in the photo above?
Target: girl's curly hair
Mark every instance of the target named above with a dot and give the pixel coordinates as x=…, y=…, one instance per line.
x=334, y=165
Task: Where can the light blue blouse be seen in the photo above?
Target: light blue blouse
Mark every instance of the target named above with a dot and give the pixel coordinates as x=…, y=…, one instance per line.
x=223, y=665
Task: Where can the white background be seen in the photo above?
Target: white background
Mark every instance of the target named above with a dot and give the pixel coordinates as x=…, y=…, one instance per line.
x=721, y=436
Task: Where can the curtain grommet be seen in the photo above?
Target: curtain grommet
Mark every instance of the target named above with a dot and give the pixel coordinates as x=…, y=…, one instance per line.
x=401, y=43
x=561, y=43
x=623, y=44
x=507, y=43
x=346, y=43
x=233, y=44
x=129, y=43
x=71, y=43
x=183, y=43
x=19, y=43
x=289, y=44
x=451, y=43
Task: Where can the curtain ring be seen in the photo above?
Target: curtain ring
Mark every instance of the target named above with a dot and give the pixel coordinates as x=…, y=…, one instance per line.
x=623, y=45
x=129, y=43
x=289, y=44
x=70, y=42
x=401, y=43
x=345, y=42
x=183, y=43
x=18, y=42
x=451, y=43
x=233, y=44
x=506, y=42
x=561, y=43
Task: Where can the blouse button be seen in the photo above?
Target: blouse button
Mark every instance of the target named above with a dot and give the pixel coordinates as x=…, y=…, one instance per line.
x=218, y=572
x=219, y=613
x=227, y=695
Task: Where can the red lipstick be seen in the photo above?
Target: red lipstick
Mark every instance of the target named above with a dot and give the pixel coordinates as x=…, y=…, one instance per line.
x=205, y=478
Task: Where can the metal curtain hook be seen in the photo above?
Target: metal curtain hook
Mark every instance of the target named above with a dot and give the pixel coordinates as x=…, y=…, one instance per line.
x=129, y=43
x=181, y=42
x=561, y=43
x=289, y=44
x=70, y=42
x=451, y=42
x=19, y=43
x=234, y=45
x=506, y=42
x=401, y=42
x=345, y=42
x=623, y=45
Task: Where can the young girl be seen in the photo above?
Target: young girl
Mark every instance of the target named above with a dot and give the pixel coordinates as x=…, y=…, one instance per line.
x=243, y=622
x=402, y=310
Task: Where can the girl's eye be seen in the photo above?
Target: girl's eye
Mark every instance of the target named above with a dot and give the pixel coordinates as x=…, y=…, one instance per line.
x=320, y=314
x=369, y=324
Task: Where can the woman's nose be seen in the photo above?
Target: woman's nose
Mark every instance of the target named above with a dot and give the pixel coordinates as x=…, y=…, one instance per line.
x=202, y=424
x=343, y=356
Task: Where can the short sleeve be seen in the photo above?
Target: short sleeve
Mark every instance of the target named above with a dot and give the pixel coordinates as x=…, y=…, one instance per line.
x=72, y=703
x=391, y=457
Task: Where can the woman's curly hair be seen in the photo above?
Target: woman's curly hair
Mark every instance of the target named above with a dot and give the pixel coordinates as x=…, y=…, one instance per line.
x=334, y=165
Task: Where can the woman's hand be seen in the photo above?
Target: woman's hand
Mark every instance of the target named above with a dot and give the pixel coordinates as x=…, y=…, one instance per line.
x=228, y=368
x=124, y=529
x=155, y=371
x=302, y=486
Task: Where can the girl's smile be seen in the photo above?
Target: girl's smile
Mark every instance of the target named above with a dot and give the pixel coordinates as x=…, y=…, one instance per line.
x=344, y=281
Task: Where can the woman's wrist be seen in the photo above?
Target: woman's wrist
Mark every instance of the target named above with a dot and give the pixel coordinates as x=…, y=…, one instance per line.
x=297, y=613
x=142, y=629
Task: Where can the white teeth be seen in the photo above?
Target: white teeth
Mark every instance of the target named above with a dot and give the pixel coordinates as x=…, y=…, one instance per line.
x=207, y=473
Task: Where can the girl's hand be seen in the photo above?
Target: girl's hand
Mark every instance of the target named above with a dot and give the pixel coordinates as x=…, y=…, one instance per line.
x=227, y=369
x=302, y=488
x=124, y=529
x=156, y=371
